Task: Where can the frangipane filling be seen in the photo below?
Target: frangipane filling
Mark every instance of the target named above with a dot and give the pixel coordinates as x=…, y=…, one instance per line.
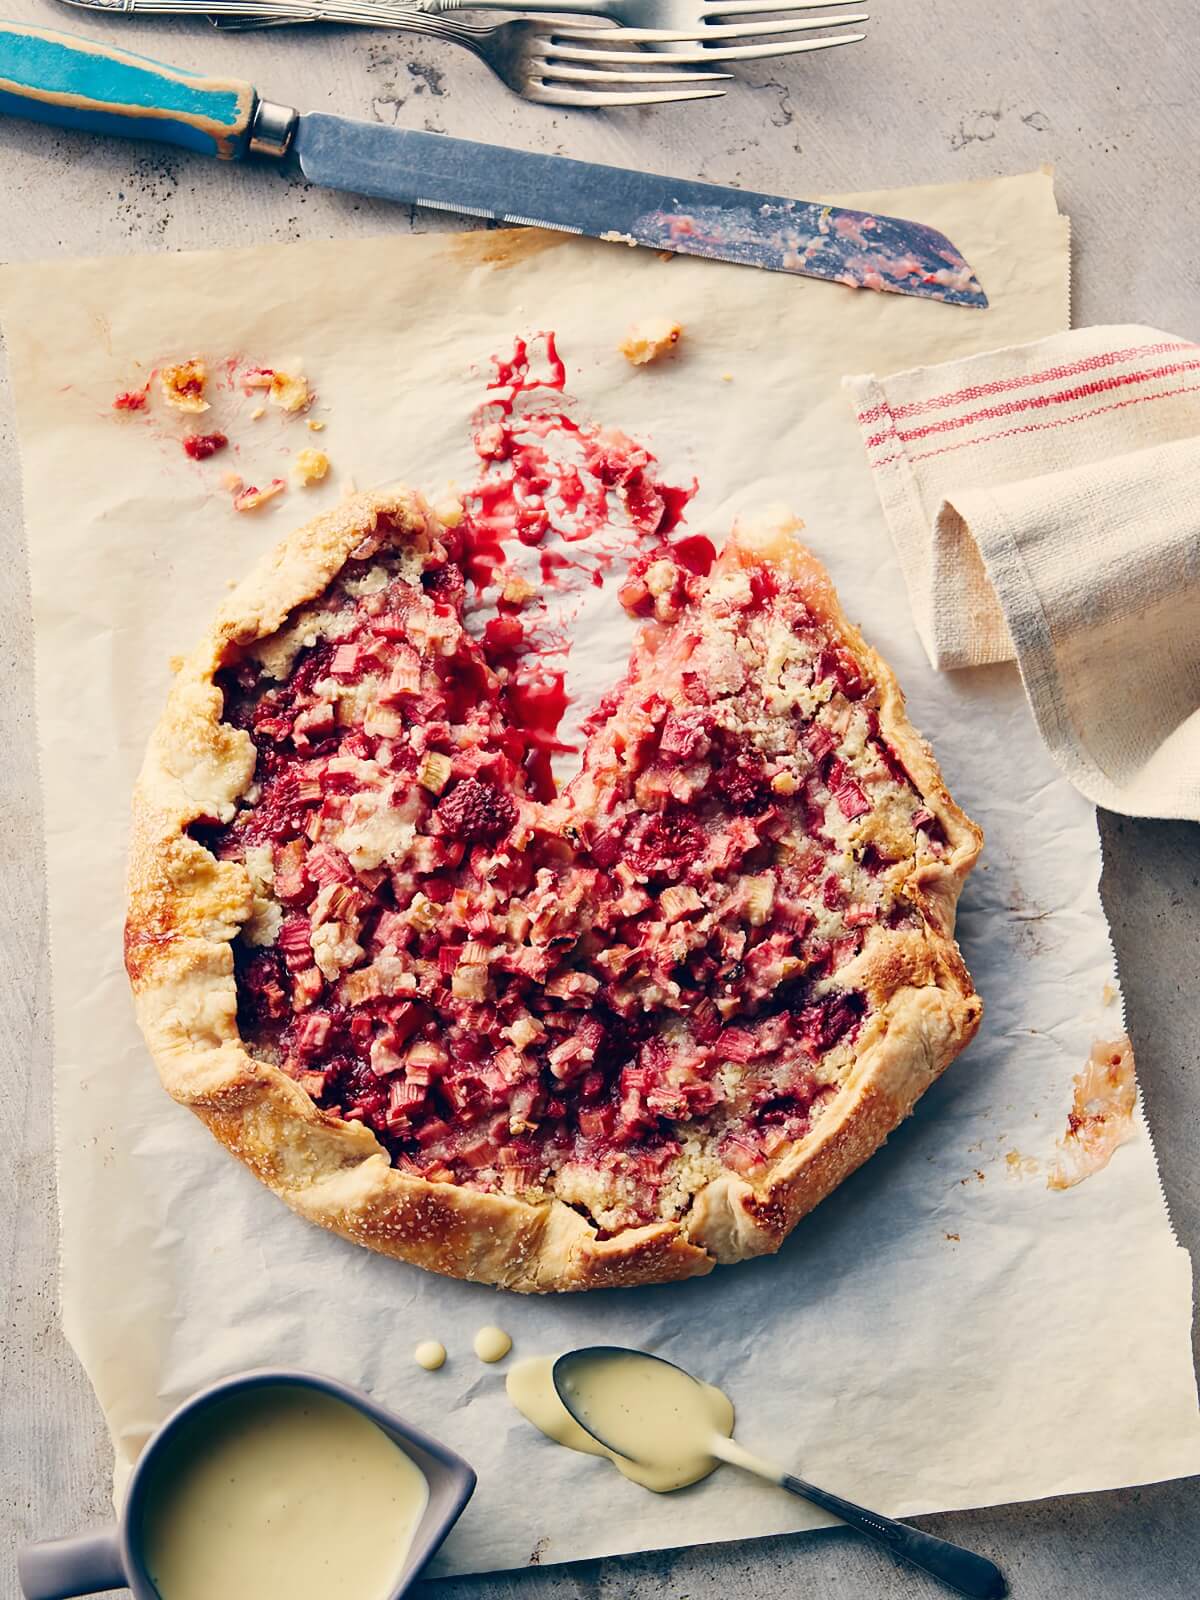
x=609, y=996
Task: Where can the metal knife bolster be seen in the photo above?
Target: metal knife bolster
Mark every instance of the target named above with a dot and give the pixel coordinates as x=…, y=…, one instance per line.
x=272, y=129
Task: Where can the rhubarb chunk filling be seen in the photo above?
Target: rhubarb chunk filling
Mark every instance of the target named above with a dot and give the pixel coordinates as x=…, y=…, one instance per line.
x=610, y=996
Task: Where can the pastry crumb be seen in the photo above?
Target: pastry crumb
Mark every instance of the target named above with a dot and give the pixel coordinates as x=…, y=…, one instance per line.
x=449, y=511
x=258, y=413
x=727, y=377
x=309, y=467
x=232, y=481
x=250, y=499
x=183, y=385
x=647, y=341
x=289, y=391
x=315, y=426
x=1107, y=995
x=517, y=590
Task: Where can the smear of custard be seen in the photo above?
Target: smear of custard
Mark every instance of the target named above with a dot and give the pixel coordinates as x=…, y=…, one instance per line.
x=1101, y=1115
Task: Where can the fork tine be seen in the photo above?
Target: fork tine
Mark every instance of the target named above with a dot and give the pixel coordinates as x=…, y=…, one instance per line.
x=763, y=52
x=746, y=8
x=551, y=95
x=795, y=5
x=552, y=68
x=732, y=30
x=714, y=31
x=747, y=52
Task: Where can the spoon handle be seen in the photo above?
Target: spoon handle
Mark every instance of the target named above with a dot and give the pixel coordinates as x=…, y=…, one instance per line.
x=963, y=1570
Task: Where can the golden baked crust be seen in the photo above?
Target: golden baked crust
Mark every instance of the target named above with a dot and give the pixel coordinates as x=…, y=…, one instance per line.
x=186, y=907
x=923, y=1006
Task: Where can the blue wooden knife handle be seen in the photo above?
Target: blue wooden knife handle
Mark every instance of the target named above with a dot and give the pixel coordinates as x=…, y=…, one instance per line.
x=79, y=83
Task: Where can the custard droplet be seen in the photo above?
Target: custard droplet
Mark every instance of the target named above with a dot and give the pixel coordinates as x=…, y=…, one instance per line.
x=492, y=1343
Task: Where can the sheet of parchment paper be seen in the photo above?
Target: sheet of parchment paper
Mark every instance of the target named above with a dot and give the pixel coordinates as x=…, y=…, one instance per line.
x=945, y=1331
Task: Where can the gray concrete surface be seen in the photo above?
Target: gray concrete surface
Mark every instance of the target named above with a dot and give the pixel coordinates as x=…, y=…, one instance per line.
x=943, y=89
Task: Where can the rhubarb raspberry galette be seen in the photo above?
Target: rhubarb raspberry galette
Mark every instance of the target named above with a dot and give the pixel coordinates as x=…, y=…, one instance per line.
x=612, y=1037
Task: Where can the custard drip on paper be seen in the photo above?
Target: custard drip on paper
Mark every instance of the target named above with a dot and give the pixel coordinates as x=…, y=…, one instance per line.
x=531, y=1389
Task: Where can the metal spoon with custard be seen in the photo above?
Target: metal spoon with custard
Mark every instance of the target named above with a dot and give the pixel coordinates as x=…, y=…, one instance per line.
x=664, y=1429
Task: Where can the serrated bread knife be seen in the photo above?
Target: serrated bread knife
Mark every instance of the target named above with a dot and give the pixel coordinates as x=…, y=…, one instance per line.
x=79, y=83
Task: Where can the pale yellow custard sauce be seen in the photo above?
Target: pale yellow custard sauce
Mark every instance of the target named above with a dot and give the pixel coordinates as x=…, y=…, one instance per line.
x=280, y=1491
x=430, y=1354
x=661, y=1414
x=492, y=1343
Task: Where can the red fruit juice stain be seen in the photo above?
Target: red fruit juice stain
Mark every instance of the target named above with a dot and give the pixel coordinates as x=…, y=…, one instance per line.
x=675, y=502
x=505, y=640
x=553, y=564
x=483, y=553
x=536, y=699
x=514, y=375
x=546, y=480
x=695, y=552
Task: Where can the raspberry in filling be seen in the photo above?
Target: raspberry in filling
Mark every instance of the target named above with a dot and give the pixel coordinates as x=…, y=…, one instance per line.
x=610, y=995
x=475, y=810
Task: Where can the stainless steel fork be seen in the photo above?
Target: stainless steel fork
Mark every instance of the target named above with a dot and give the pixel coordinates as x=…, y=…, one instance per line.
x=677, y=26
x=696, y=18
x=564, y=66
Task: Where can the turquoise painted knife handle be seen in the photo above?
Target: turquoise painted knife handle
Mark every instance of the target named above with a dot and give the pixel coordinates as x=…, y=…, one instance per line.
x=79, y=83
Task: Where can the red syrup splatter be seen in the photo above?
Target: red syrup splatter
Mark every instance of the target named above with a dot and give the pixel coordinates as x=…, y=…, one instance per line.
x=513, y=374
x=547, y=480
x=534, y=696
x=483, y=553
x=696, y=553
x=675, y=503
x=536, y=699
x=552, y=564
